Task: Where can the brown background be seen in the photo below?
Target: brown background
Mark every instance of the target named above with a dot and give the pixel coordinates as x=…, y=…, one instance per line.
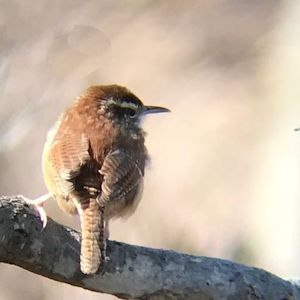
x=224, y=175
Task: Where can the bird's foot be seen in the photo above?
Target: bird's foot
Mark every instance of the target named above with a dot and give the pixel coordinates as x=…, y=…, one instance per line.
x=105, y=258
x=38, y=204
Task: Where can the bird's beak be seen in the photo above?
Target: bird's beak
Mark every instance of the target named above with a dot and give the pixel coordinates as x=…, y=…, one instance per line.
x=154, y=110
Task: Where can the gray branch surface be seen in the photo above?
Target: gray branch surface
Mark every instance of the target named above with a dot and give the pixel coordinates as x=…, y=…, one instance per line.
x=132, y=272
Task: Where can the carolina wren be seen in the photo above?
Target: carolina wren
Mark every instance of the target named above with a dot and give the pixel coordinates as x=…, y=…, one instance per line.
x=93, y=163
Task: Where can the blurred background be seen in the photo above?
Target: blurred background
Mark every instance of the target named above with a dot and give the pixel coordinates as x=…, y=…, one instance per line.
x=224, y=176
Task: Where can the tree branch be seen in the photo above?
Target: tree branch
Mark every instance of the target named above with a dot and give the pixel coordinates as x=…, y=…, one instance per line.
x=132, y=272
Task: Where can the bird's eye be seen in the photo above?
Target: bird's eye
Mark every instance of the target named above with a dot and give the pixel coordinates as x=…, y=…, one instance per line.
x=129, y=112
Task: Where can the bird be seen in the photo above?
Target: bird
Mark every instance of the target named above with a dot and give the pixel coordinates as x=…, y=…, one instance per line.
x=93, y=163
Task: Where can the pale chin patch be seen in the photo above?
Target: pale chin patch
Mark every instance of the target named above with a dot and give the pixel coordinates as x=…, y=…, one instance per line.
x=140, y=120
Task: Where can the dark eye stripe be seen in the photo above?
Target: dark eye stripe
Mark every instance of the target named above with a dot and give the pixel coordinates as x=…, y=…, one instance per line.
x=128, y=111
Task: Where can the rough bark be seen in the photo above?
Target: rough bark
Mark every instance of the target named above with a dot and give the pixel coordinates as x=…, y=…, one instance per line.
x=132, y=272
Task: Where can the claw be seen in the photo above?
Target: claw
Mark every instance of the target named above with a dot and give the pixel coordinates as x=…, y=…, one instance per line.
x=43, y=215
x=38, y=204
x=106, y=259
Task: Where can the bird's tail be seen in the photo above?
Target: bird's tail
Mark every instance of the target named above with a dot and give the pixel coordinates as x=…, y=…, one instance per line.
x=92, y=228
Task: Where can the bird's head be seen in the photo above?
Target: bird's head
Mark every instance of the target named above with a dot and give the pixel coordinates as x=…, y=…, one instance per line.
x=120, y=105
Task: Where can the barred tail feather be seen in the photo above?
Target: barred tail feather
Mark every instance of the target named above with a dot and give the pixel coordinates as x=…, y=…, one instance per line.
x=92, y=225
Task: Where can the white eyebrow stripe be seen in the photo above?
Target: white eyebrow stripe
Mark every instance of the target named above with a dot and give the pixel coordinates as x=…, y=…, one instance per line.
x=129, y=105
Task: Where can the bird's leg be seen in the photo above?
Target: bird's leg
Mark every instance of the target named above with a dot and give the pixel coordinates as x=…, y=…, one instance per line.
x=102, y=241
x=104, y=229
x=38, y=204
x=105, y=238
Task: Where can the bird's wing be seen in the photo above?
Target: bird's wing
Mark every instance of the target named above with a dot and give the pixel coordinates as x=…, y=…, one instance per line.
x=121, y=177
x=62, y=159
